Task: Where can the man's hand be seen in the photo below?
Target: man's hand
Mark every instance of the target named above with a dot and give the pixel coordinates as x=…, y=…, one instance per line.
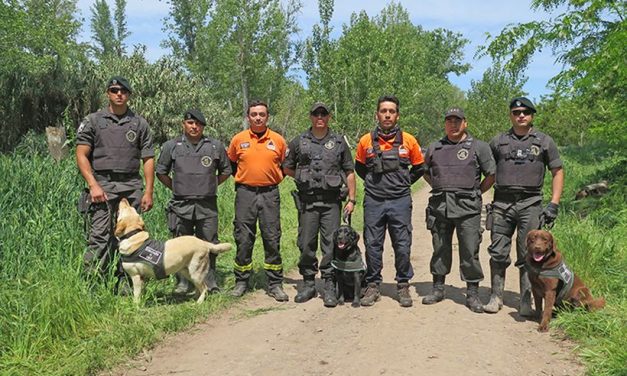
x=550, y=213
x=97, y=194
x=348, y=210
x=146, y=203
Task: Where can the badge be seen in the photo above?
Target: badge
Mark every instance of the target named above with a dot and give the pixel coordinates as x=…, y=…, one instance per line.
x=131, y=136
x=329, y=144
x=565, y=273
x=287, y=152
x=205, y=161
x=402, y=150
x=270, y=145
x=81, y=127
x=462, y=154
x=535, y=150
x=244, y=145
x=518, y=104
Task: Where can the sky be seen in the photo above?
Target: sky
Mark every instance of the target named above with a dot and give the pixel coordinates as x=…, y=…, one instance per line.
x=473, y=19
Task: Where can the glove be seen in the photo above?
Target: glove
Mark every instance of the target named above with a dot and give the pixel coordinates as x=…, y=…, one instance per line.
x=550, y=213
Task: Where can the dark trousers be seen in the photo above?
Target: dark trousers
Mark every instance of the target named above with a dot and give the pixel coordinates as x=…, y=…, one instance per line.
x=522, y=216
x=263, y=206
x=102, y=244
x=205, y=229
x=323, y=219
x=395, y=216
x=469, y=238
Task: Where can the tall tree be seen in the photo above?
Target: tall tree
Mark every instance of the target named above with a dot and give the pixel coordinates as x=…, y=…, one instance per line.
x=589, y=40
x=186, y=18
x=109, y=31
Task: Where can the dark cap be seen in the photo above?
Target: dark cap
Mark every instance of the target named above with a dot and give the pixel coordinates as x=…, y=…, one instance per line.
x=522, y=102
x=455, y=111
x=318, y=105
x=117, y=80
x=196, y=115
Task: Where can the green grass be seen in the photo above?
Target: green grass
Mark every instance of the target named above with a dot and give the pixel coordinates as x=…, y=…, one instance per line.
x=53, y=320
x=592, y=234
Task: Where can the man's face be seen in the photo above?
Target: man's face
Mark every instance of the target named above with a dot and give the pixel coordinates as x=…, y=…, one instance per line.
x=387, y=115
x=521, y=116
x=258, y=118
x=455, y=128
x=193, y=129
x=320, y=118
x=118, y=95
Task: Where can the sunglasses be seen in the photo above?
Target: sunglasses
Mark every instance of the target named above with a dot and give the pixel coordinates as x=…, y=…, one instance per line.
x=525, y=112
x=115, y=90
x=319, y=113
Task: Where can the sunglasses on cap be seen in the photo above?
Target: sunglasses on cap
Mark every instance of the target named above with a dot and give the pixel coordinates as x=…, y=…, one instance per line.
x=115, y=90
x=319, y=113
x=525, y=112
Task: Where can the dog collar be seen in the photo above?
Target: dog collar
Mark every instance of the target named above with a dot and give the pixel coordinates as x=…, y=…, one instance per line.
x=126, y=236
x=348, y=266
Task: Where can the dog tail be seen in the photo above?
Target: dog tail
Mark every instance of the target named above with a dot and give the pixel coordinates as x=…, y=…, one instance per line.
x=216, y=249
x=591, y=303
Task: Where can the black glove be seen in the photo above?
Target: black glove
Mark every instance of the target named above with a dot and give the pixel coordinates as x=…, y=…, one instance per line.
x=550, y=213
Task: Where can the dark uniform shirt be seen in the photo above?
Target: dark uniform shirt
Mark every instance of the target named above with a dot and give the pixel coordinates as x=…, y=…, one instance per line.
x=461, y=202
x=180, y=146
x=87, y=135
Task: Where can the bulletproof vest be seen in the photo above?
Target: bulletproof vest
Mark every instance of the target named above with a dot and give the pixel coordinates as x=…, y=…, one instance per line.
x=195, y=170
x=388, y=160
x=319, y=165
x=454, y=165
x=150, y=253
x=519, y=163
x=562, y=272
x=116, y=145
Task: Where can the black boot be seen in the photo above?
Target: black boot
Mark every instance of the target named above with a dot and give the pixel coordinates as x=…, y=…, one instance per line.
x=330, y=293
x=182, y=285
x=497, y=277
x=210, y=278
x=307, y=292
x=437, y=293
x=472, y=297
x=525, y=294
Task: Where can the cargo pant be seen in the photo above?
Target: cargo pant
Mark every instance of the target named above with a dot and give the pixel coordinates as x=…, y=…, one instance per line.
x=317, y=218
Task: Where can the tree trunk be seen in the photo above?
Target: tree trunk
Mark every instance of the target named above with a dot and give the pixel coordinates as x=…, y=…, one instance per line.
x=56, y=142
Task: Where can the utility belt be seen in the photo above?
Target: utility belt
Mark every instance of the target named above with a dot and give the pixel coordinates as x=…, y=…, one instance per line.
x=116, y=176
x=324, y=196
x=191, y=198
x=261, y=189
x=514, y=196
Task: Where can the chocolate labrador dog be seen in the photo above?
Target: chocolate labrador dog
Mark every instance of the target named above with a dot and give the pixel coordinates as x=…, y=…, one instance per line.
x=348, y=264
x=552, y=280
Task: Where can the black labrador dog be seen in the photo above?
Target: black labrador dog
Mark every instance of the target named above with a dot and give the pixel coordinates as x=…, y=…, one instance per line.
x=348, y=265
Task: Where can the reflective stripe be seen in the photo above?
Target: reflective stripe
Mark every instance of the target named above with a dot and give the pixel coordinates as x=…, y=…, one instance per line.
x=275, y=267
x=243, y=268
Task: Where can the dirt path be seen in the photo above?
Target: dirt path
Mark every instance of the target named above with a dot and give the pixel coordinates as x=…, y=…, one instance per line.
x=262, y=337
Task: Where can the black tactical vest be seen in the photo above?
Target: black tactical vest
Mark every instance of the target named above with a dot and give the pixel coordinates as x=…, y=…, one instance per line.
x=388, y=160
x=116, y=145
x=195, y=170
x=454, y=166
x=520, y=163
x=319, y=165
x=149, y=253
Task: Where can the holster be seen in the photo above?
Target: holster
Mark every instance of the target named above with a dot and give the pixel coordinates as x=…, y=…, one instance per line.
x=429, y=218
x=171, y=217
x=297, y=202
x=84, y=201
x=489, y=219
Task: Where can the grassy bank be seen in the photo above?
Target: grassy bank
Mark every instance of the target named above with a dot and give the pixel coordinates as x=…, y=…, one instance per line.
x=592, y=234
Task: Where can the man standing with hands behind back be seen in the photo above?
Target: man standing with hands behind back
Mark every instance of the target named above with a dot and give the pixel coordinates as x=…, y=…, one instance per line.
x=199, y=164
x=389, y=161
x=111, y=145
x=256, y=155
x=522, y=155
x=322, y=164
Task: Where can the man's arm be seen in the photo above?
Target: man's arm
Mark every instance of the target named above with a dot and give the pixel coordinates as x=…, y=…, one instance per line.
x=149, y=175
x=351, y=184
x=82, y=160
x=557, y=185
x=165, y=179
x=416, y=172
x=487, y=183
x=361, y=170
x=222, y=178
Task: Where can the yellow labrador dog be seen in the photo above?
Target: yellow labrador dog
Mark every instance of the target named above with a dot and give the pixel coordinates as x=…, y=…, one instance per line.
x=144, y=258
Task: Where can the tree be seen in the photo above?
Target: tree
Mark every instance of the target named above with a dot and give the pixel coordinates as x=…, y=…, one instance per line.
x=589, y=40
x=109, y=32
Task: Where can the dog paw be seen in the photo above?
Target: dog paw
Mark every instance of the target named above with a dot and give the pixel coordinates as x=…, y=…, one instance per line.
x=355, y=304
x=543, y=328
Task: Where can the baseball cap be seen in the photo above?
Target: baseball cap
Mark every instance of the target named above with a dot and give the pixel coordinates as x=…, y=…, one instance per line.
x=455, y=111
x=318, y=105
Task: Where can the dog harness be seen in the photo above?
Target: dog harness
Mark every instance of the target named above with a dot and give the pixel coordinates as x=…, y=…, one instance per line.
x=149, y=253
x=562, y=272
x=349, y=266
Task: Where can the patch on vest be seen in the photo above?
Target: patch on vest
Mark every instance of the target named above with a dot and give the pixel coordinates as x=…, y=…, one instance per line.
x=565, y=273
x=131, y=136
x=151, y=255
x=535, y=150
x=329, y=144
x=205, y=161
x=270, y=145
x=244, y=145
x=81, y=127
x=462, y=154
x=402, y=151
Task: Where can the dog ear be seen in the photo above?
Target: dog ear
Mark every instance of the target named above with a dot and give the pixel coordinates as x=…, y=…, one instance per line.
x=551, y=241
x=141, y=223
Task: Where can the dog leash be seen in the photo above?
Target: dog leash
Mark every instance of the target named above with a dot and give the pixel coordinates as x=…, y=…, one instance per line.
x=347, y=218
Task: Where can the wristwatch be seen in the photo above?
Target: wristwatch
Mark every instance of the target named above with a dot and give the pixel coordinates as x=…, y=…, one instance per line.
x=352, y=201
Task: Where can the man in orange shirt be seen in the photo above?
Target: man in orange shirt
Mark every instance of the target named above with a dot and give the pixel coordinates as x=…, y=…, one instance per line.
x=256, y=155
x=389, y=161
